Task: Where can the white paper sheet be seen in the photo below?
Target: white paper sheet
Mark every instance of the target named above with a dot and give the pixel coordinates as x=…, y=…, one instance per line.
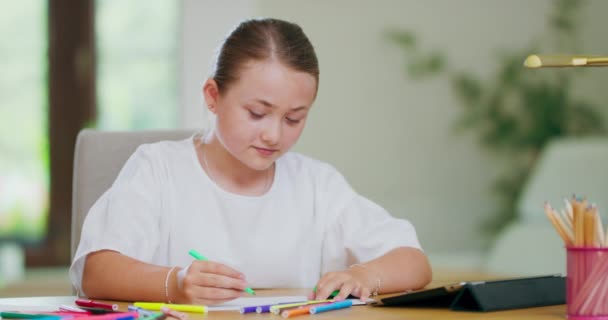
x=35, y=304
x=358, y=302
x=237, y=304
x=52, y=303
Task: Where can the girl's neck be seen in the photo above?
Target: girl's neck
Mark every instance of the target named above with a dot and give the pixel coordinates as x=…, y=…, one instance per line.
x=228, y=172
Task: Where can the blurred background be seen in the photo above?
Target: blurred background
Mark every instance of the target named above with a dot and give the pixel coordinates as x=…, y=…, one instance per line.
x=423, y=105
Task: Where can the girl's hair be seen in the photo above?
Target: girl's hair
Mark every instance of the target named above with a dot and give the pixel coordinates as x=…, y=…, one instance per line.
x=261, y=39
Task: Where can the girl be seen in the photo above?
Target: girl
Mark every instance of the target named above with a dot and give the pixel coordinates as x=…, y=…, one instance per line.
x=265, y=217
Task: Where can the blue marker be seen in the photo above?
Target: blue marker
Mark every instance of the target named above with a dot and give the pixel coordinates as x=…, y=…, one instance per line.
x=248, y=309
x=332, y=306
x=142, y=312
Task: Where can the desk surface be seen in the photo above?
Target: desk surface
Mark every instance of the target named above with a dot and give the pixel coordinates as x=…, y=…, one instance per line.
x=356, y=312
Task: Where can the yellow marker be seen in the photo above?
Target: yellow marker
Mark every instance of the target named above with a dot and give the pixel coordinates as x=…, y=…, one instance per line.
x=177, y=307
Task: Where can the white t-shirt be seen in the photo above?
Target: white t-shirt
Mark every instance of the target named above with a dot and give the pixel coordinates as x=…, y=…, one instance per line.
x=311, y=221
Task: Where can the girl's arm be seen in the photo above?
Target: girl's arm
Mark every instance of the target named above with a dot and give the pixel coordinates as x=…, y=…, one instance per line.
x=398, y=270
x=113, y=276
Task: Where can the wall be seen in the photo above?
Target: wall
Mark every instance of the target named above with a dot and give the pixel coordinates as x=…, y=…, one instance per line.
x=203, y=26
x=390, y=136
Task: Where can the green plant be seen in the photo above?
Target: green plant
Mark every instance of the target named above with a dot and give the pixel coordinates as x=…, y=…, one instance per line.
x=518, y=111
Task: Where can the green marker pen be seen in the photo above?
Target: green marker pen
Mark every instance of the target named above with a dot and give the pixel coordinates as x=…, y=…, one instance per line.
x=332, y=295
x=199, y=256
x=19, y=315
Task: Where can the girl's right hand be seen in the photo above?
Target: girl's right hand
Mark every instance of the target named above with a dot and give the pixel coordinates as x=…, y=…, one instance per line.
x=209, y=283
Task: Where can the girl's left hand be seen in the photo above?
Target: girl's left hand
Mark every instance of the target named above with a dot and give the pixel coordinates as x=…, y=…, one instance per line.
x=353, y=281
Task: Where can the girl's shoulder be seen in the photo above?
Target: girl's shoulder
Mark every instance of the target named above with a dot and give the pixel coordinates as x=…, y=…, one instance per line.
x=166, y=148
x=299, y=164
x=164, y=153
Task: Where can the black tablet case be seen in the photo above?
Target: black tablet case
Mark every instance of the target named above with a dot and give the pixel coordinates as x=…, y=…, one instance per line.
x=489, y=295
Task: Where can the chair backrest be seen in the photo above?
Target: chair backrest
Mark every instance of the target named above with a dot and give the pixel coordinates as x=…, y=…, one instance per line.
x=526, y=249
x=530, y=246
x=567, y=166
x=98, y=158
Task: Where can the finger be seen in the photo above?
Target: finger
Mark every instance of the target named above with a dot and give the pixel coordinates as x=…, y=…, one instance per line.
x=357, y=291
x=200, y=296
x=320, y=283
x=218, y=268
x=181, y=274
x=365, y=293
x=329, y=287
x=310, y=296
x=206, y=297
x=210, y=293
x=325, y=280
x=209, y=302
x=173, y=313
x=346, y=289
x=220, y=281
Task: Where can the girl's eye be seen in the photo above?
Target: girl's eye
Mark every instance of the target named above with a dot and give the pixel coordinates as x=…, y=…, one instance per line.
x=292, y=121
x=255, y=115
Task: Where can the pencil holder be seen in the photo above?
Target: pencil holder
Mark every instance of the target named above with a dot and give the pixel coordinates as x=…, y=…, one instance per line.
x=587, y=283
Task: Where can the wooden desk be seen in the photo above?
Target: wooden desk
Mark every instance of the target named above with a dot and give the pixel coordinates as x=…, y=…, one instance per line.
x=38, y=282
x=354, y=313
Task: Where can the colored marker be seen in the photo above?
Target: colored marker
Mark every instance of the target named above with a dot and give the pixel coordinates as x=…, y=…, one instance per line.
x=111, y=316
x=95, y=304
x=155, y=316
x=146, y=314
x=266, y=308
x=156, y=306
x=66, y=314
x=248, y=310
x=332, y=295
x=331, y=306
x=67, y=308
x=97, y=310
x=308, y=304
x=141, y=311
x=20, y=315
x=300, y=310
x=263, y=309
x=276, y=309
x=199, y=256
x=173, y=313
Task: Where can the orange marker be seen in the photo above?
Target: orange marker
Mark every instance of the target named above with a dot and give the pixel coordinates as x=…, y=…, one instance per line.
x=299, y=311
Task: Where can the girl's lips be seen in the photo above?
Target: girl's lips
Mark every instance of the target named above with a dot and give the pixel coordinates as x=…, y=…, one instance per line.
x=265, y=152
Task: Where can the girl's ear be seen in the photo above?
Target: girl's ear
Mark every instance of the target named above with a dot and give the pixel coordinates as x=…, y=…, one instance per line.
x=211, y=94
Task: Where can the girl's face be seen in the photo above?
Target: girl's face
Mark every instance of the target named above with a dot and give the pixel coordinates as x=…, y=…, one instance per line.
x=262, y=114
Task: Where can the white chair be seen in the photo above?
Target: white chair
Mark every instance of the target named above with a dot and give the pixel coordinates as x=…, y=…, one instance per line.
x=98, y=158
x=530, y=245
x=566, y=167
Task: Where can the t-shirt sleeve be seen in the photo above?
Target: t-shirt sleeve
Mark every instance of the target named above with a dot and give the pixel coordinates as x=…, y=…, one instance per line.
x=126, y=217
x=358, y=229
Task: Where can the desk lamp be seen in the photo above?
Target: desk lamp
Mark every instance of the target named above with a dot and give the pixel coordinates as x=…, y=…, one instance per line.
x=545, y=61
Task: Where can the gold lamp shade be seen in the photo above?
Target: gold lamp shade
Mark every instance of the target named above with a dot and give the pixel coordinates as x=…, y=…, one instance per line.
x=548, y=61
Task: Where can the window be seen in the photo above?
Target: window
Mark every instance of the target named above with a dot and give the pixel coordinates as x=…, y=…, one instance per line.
x=24, y=161
x=136, y=64
x=134, y=81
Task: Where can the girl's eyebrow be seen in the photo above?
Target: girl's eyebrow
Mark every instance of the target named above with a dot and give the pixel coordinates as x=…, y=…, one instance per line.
x=270, y=105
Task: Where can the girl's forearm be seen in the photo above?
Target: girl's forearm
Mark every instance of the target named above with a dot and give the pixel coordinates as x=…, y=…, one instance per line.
x=399, y=270
x=113, y=276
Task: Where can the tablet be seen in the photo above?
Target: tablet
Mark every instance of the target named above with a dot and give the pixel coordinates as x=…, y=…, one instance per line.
x=434, y=297
x=486, y=295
